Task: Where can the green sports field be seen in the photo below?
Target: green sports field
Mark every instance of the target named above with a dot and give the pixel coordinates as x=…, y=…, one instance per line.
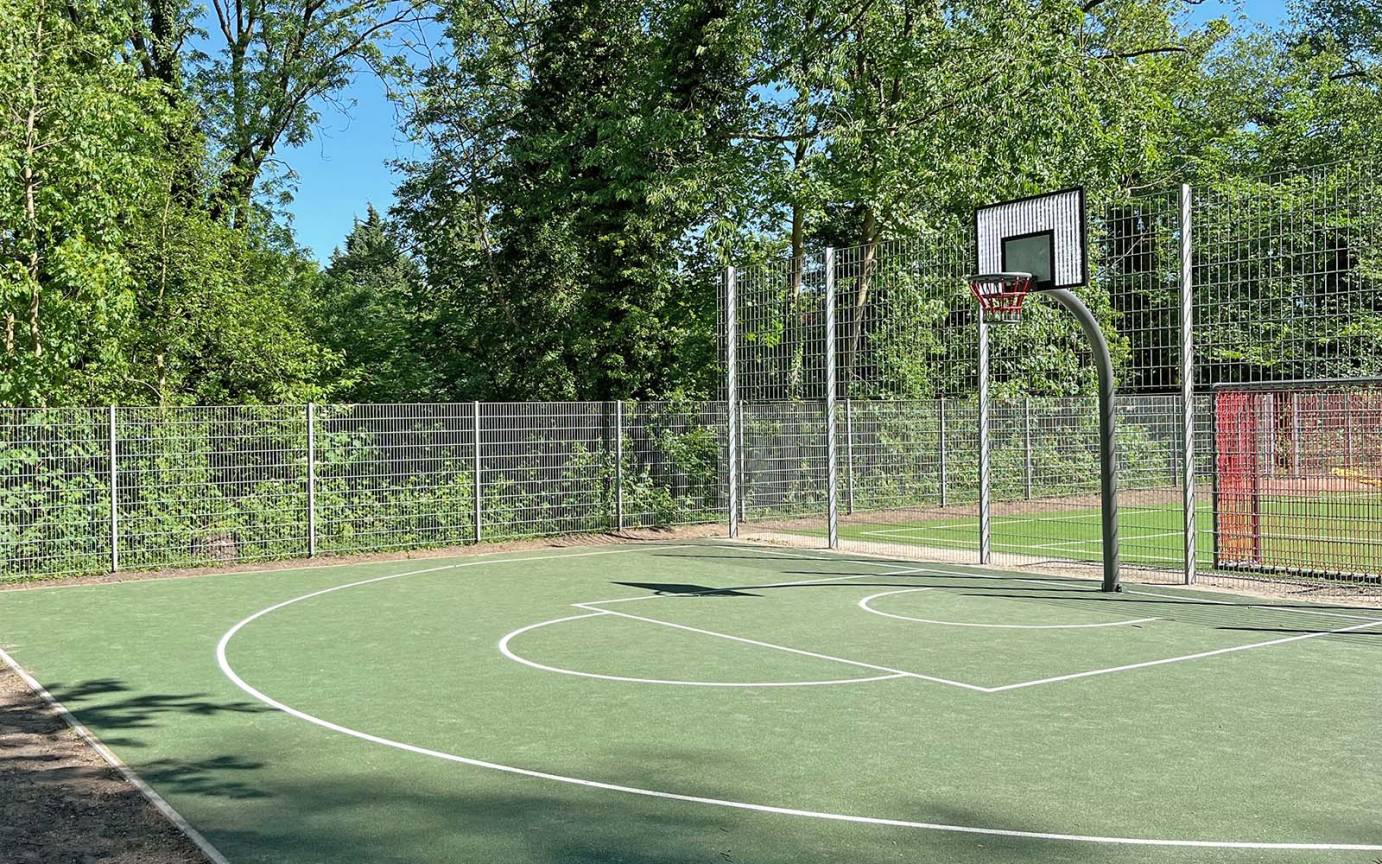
x=1341, y=534
x=707, y=702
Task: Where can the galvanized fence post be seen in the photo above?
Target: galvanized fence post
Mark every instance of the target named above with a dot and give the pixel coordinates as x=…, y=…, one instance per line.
x=475, y=468
x=1295, y=433
x=832, y=516
x=732, y=397
x=849, y=458
x=1348, y=431
x=1187, y=382
x=114, y=496
x=984, y=467
x=940, y=446
x=1027, y=447
x=742, y=465
x=619, y=465
x=311, y=479
x=1268, y=434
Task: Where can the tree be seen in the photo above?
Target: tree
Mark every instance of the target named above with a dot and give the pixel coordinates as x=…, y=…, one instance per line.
x=610, y=133
x=80, y=148
x=371, y=314
x=278, y=61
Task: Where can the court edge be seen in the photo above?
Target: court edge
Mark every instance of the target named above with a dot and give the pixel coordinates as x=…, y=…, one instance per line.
x=125, y=771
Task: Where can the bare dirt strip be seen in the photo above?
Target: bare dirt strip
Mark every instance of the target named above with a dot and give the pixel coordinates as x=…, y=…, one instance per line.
x=60, y=802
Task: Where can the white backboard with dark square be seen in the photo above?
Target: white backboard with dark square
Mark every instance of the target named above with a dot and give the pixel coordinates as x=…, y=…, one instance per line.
x=1043, y=235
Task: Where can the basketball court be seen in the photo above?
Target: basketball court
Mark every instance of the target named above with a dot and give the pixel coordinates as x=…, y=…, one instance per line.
x=737, y=701
x=712, y=701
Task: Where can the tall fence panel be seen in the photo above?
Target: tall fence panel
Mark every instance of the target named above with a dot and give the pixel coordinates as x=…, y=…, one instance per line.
x=673, y=463
x=394, y=476
x=55, y=513
x=546, y=468
x=211, y=485
x=1236, y=280
x=220, y=485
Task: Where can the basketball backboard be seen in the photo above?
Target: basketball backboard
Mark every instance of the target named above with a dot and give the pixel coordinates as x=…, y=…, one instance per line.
x=1043, y=235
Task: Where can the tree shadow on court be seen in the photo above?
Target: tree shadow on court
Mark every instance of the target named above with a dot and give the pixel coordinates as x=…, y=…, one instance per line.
x=108, y=704
x=467, y=815
x=110, y=708
x=60, y=800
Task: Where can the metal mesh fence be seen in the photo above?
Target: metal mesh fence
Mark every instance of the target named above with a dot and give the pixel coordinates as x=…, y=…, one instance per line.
x=1287, y=272
x=672, y=470
x=54, y=490
x=219, y=485
x=1268, y=279
x=209, y=485
x=1279, y=276
x=394, y=476
x=1298, y=479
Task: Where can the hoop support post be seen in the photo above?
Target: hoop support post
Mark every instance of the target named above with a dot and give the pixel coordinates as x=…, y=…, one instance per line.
x=1108, y=445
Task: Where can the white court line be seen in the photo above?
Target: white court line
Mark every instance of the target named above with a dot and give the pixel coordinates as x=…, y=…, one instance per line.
x=864, y=604
x=508, y=652
x=318, y=564
x=964, y=571
x=861, y=664
x=260, y=696
x=506, y=649
x=1283, y=610
x=1369, y=622
x=1212, y=602
x=711, y=592
x=909, y=534
x=1094, y=541
x=920, y=530
x=1181, y=659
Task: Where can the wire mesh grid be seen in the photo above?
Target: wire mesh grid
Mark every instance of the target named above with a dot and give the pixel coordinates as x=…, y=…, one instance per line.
x=1287, y=276
x=394, y=476
x=673, y=463
x=781, y=325
x=54, y=491
x=210, y=485
x=546, y=468
x=1280, y=275
x=217, y=485
x=1285, y=283
x=1298, y=480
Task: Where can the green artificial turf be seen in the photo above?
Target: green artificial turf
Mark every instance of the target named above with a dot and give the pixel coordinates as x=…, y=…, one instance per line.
x=1268, y=744
x=1339, y=535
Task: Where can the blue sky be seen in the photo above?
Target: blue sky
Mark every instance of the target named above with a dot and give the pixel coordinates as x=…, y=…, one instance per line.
x=346, y=165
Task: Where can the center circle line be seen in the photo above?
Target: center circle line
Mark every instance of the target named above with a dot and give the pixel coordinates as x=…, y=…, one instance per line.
x=864, y=604
x=507, y=650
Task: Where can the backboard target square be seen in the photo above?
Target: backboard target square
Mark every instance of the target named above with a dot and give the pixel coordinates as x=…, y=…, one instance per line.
x=1043, y=235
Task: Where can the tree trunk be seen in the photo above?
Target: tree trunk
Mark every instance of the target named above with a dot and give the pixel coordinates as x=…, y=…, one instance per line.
x=862, y=287
x=31, y=181
x=795, y=371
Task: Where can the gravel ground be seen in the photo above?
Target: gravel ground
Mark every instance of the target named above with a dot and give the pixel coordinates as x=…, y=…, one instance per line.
x=60, y=803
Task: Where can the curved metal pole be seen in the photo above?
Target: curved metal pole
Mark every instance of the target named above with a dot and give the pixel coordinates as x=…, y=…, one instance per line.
x=1108, y=445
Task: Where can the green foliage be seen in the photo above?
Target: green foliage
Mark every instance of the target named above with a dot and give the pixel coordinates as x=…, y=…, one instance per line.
x=276, y=61
x=80, y=158
x=576, y=151
x=373, y=315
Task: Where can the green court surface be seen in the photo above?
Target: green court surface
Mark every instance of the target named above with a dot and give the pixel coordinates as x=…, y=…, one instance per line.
x=708, y=702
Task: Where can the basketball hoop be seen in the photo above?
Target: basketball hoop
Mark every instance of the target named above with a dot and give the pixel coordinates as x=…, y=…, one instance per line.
x=1000, y=295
